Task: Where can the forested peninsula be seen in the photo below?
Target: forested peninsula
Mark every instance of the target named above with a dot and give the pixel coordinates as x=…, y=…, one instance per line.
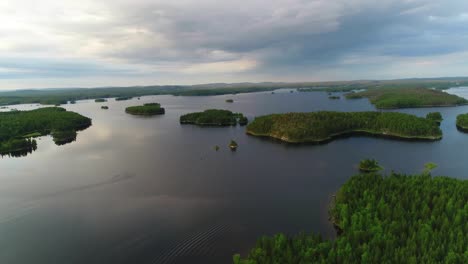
x=393, y=98
x=18, y=128
x=214, y=117
x=146, y=109
x=382, y=219
x=317, y=127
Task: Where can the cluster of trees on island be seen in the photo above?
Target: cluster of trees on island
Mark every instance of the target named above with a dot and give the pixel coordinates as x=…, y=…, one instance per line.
x=392, y=98
x=316, y=127
x=382, y=219
x=214, y=117
x=462, y=122
x=146, y=109
x=435, y=116
x=369, y=165
x=18, y=128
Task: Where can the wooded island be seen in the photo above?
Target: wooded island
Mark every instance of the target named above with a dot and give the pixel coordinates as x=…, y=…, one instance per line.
x=317, y=127
x=382, y=219
x=214, y=117
x=18, y=128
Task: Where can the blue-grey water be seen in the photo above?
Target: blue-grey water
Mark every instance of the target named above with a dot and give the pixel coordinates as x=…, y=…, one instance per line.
x=149, y=190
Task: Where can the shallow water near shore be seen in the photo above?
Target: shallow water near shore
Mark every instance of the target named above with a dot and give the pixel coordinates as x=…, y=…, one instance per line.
x=148, y=190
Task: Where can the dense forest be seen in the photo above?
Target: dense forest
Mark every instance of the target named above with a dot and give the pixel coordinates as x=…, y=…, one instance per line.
x=214, y=117
x=462, y=122
x=18, y=127
x=322, y=126
x=391, y=98
x=146, y=109
x=382, y=219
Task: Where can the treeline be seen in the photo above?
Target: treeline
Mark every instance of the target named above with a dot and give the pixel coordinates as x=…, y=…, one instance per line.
x=392, y=98
x=146, y=109
x=214, y=117
x=16, y=127
x=323, y=126
x=391, y=219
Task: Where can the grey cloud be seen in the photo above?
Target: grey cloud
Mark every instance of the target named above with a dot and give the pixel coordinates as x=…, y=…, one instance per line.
x=282, y=36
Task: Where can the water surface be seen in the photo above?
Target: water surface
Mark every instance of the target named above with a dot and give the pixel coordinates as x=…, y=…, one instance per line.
x=149, y=190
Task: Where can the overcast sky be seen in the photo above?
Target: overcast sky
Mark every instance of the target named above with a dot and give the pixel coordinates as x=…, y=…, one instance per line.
x=71, y=43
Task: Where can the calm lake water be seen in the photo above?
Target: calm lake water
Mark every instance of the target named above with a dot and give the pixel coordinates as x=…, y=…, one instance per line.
x=149, y=190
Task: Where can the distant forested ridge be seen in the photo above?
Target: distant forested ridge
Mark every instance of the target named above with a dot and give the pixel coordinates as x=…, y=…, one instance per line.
x=322, y=126
x=392, y=98
x=146, y=109
x=382, y=219
x=18, y=128
x=62, y=96
x=214, y=117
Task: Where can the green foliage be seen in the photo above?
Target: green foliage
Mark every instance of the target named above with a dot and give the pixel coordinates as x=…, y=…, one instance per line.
x=17, y=127
x=62, y=137
x=369, y=165
x=428, y=167
x=462, y=122
x=146, y=109
x=435, y=116
x=323, y=126
x=229, y=101
x=391, y=98
x=100, y=100
x=214, y=117
x=333, y=97
x=392, y=219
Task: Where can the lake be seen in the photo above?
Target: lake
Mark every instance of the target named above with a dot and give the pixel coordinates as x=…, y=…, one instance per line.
x=149, y=190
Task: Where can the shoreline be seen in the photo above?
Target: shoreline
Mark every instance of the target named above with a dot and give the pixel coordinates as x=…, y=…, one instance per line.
x=345, y=134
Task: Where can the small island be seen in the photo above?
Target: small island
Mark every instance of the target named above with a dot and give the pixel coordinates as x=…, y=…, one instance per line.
x=100, y=100
x=393, y=98
x=369, y=165
x=105, y=107
x=146, y=109
x=333, y=97
x=229, y=101
x=435, y=116
x=233, y=145
x=321, y=127
x=462, y=122
x=19, y=128
x=123, y=98
x=214, y=117
x=392, y=218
